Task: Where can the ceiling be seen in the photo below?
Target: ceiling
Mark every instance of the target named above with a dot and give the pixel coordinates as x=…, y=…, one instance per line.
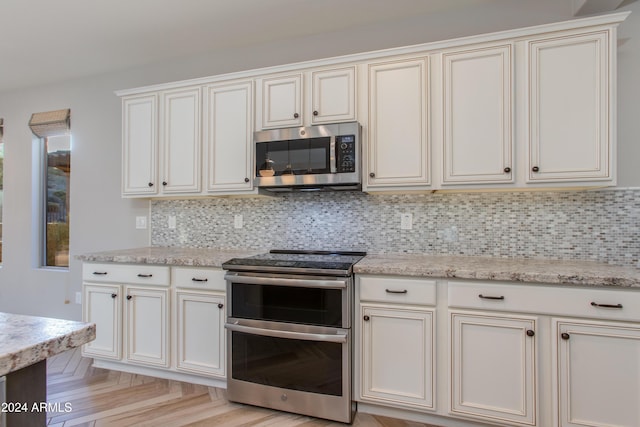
x=44, y=41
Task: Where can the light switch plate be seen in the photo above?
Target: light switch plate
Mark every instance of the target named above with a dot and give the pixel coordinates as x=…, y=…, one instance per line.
x=406, y=221
x=141, y=222
x=171, y=222
x=237, y=221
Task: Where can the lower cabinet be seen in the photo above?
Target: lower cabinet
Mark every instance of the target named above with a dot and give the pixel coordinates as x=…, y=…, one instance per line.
x=200, y=332
x=103, y=306
x=493, y=367
x=147, y=326
x=597, y=367
x=397, y=355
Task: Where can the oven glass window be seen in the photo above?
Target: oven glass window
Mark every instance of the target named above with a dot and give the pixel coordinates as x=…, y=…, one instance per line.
x=311, y=306
x=297, y=157
x=311, y=366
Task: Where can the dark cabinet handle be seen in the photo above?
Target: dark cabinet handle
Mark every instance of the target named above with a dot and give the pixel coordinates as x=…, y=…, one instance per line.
x=595, y=304
x=151, y=184
x=507, y=169
x=145, y=276
x=372, y=175
x=564, y=336
x=490, y=297
x=296, y=115
x=199, y=280
x=530, y=333
x=247, y=180
x=535, y=169
x=114, y=295
x=220, y=305
x=390, y=291
x=100, y=273
x=129, y=297
x=315, y=113
x=164, y=182
x=366, y=318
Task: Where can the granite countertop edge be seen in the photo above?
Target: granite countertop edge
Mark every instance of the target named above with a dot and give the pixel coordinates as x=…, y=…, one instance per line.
x=560, y=272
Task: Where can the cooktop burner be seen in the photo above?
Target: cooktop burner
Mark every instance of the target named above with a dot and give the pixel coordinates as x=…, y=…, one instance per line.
x=305, y=262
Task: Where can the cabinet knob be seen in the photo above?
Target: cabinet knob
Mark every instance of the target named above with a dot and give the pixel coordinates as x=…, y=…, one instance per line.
x=164, y=182
x=507, y=169
x=247, y=180
x=564, y=336
x=220, y=305
x=151, y=184
x=129, y=297
x=530, y=333
x=535, y=169
x=315, y=113
x=372, y=175
x=114, y=295
x=296, y=115
x=366, y=318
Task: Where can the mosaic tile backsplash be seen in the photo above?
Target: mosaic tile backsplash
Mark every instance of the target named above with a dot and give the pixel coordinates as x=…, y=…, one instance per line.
x=592, y=225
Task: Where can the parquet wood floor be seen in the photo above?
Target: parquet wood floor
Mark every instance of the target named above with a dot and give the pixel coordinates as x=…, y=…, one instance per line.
x=91, y=397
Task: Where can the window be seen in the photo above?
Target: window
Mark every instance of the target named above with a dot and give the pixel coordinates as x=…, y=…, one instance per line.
x=1, y=181
x=53, y=129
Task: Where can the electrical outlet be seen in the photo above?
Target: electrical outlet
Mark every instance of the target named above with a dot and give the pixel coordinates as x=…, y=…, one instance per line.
x=141, y=222
x=78, y=297
x=171, y=222
x=237, y=221
x=406, y=221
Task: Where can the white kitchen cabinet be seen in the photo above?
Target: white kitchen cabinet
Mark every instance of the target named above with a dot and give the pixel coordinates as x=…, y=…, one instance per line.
x=147, y=325
x=200, y=332
x=140, y=145
x=102, y=305
x=398, y=355
x=597, y=375
x=181, y=141
x=493, y=367
x=281, y=101
x=333, y=95
x=229, y=137
x=398, y=149
x=478, y=113
x=570, y=112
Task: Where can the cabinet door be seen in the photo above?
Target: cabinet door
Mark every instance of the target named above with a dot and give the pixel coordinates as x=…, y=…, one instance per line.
x=390, y=376
x=333, y=96
x=181, y=141
x=398, y=145
x=147, y=326
x=139, y=145
x=570, y=108
x=493, y=366
x=200, y=333
x=598, y=374
x=102, y=306
x=282, y=101
x=229, y=136
x=477, y=108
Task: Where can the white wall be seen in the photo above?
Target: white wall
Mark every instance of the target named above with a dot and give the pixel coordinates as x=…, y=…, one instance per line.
x=102, y=220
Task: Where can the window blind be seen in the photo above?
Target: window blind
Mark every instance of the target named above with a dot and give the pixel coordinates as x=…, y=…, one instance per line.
x=51, y=123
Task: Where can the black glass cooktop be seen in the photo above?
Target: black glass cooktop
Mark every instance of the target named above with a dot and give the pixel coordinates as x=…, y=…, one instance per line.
x=309, y=262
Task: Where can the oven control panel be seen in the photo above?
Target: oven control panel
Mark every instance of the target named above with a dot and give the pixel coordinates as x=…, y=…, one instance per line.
x=345, y=153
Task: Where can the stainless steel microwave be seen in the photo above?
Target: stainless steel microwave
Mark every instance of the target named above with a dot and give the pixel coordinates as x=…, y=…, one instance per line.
x=324, y=157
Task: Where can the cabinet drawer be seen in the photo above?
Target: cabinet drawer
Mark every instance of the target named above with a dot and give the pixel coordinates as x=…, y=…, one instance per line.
x=198, y=278
x=397, y=290
x=615, y=304
x=138, y=274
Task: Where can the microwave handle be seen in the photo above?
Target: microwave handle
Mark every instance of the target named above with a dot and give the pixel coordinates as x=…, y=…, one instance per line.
x=332, y=154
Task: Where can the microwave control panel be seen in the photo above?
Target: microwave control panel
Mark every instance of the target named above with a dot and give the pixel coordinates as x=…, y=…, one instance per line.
x=345, y=153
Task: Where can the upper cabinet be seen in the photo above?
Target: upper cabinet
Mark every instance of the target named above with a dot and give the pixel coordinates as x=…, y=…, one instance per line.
x=309, y=98
x=398, y=148
x=570, y=107
x=140, y=145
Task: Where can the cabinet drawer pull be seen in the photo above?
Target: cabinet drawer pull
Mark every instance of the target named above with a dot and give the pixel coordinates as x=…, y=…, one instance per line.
x=490, y=297
x=145, y=276
x=391, y=291
x=194, y=279
x=100, y=273
x=595, y=304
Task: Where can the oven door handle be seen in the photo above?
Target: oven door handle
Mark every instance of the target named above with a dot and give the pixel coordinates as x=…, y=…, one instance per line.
x=339, y=338
x=302, y=283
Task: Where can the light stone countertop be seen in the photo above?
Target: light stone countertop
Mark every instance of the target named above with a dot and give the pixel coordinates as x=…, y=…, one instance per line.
x=25, y=340
x=585, y=273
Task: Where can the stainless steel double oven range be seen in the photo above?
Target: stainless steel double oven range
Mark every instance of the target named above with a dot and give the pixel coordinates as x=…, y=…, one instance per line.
x=289, y=332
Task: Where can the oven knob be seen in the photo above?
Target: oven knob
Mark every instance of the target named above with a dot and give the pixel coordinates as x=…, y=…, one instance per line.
x=284, y=397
